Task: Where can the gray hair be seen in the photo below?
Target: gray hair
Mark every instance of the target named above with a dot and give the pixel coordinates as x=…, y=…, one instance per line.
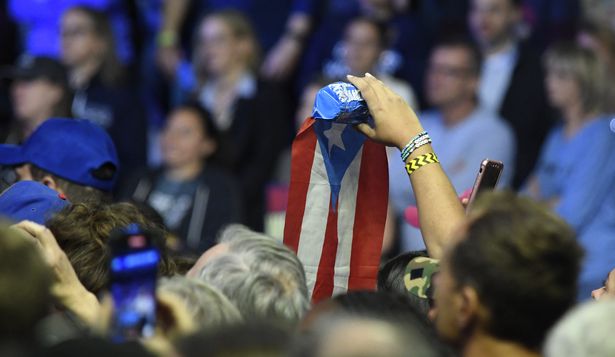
x=585, y=331
x=261, y=276
x=206, y=304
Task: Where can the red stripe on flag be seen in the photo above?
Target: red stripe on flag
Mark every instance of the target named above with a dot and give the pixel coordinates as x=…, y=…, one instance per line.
x=370, y=216
x=323, y=287
x=303, y=150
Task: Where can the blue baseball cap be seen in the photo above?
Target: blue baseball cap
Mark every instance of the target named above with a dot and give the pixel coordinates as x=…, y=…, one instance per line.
x=73, y=149
x=32, y=201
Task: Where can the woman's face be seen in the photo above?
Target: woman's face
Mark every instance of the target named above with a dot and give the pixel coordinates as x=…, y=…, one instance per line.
x=184, y=141
x=79, y=42
x=34, y=98
x=218, y=49
x=562, y=88
x=362, y=47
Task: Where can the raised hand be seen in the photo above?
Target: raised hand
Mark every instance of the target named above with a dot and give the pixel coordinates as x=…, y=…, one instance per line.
x=395, y=122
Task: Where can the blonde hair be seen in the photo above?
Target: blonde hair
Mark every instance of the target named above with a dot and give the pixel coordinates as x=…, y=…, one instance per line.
x=583, y=66
x=242, y=30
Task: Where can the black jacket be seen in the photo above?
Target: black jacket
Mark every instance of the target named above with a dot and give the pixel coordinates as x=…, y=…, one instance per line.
x=525, y=106
x=117, y=109
x=216, y=204
x=250, y=147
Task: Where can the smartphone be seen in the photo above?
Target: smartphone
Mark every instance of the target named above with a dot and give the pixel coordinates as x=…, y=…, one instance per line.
x=133, y=273
x=487, y=178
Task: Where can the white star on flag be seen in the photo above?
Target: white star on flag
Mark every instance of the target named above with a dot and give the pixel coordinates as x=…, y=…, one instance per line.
x=334, y=136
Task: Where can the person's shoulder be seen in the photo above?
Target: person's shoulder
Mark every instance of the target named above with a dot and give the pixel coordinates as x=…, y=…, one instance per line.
x=603, y=129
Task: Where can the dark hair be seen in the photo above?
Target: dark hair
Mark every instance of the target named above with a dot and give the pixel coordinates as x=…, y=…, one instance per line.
x=393, y=309
x=391, y=278
x=83, y=231
x=380, y=27
x=76, y=192
x=111, y=69
x=382, y=305
x=523, y=261
x=251, y=339
x=207, y=124
x=63, y=107
x=464, y=42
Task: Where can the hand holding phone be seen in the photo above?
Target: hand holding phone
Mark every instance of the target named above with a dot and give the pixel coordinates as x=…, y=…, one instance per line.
x=486, y=179
x=134, y=270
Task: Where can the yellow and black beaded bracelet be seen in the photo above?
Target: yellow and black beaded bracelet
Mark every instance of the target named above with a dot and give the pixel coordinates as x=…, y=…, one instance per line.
x=420, y=161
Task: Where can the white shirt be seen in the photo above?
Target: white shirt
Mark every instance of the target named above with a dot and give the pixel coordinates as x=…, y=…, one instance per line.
x=495, y=78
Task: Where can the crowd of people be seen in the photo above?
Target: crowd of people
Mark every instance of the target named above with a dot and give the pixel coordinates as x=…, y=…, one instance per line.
x=178, y=116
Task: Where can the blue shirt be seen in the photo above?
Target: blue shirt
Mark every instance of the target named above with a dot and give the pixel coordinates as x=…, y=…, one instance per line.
x=460, y=148
x=580, y=172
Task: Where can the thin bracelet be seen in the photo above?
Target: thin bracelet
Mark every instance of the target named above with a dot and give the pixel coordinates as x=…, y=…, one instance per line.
x=415, y=143
x=420, y=161
x=423, y=141
x=411, y=143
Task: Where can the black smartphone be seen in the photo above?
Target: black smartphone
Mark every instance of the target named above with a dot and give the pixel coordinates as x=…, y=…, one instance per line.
x=133, y=273
x=486, y=179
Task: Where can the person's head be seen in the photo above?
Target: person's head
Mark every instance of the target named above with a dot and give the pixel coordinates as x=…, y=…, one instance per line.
x=207, y=305
x=87, y=39
x=493, y=22
x=406, y=275
x=261, y=276
x=74, y=157
x=367, y=323
x=574, y=77
x=189, y=137
x=607, y=290
x=83, y=232
x=225, y=42
x=252, y=339
x=39, y=91
x=453, y=73
x=355, y=336
x=585, y=331
x=306, y=101
x=25, y=285
x=364, y=41
x=511, y=276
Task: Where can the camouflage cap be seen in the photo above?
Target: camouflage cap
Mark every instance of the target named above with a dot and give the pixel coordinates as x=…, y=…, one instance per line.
x=418, y=275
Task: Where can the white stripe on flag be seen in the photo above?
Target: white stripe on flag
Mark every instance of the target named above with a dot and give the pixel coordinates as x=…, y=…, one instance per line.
x=313, y=228
x=345, y=224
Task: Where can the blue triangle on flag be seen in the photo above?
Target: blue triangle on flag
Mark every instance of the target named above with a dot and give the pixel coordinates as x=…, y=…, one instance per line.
x=339, y=145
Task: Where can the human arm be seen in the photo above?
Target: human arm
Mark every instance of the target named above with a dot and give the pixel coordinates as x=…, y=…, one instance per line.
x=66, y=289
x=282, y=59
x=169, y=54
x=440, y=212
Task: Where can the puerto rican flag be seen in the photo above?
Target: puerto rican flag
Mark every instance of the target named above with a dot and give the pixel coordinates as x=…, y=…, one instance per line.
x=337, y=207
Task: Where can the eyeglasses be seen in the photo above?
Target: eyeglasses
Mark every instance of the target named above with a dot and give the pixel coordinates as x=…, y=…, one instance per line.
x=449, y=71
x=76, y=31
